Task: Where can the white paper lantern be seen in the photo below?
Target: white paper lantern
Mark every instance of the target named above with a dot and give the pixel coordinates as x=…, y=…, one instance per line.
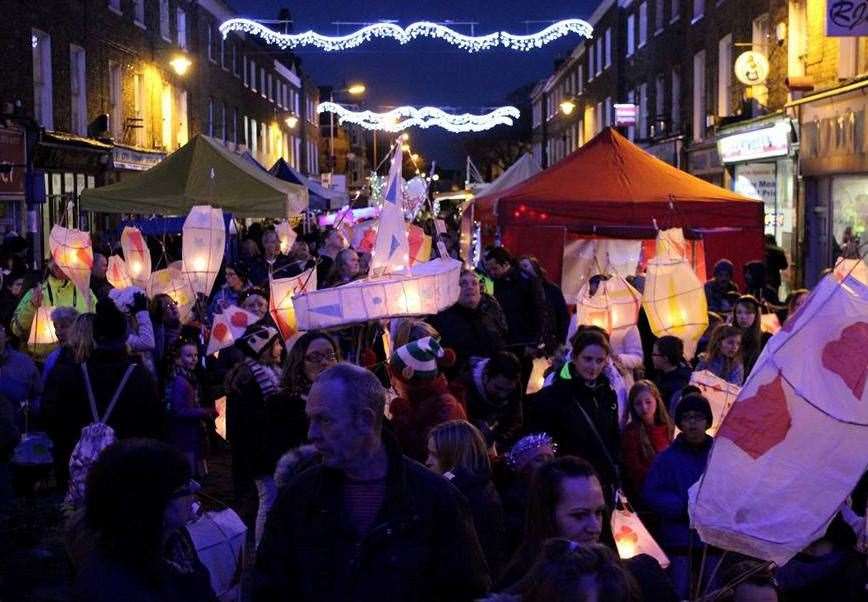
x=615, y=304
x=42, y=338
x=432, y=287
x=116, y=273
x=280, y=304
x=73, y=254
x=202, y=249
x=137, y=256
x=674, y=297
x=171, y=281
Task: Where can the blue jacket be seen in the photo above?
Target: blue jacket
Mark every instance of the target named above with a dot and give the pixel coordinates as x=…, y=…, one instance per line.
x=673, y=472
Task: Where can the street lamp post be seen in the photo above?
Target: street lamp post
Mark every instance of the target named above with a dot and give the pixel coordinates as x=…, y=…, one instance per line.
x=354, y=90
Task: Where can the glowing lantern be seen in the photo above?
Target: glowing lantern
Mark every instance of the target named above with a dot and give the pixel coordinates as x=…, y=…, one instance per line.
x=202, y=248
x=116, y=273
x=674, y=298
x=770, y=323
x=138, y=257
x=42, y=335
x=286, y=235
x=280, y=303
x=631, y=536
x=614, y=305
x=73, y=254
x=537, y=375
x=174, y=283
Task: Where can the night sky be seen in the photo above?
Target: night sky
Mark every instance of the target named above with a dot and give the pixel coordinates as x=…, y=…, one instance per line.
x=428, y=72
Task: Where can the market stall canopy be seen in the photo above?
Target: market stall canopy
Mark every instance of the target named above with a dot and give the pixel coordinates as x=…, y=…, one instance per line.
x=321, y=198
x=203, y=171
x=524, y=168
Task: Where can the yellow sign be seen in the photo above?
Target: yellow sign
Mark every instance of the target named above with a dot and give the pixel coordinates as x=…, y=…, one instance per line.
x=751, y=68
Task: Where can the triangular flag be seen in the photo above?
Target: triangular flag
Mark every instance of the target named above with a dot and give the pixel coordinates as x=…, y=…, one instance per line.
x=391, y=251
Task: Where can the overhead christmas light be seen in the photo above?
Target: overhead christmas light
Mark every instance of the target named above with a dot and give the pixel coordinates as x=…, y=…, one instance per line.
x=407, y=34
x=425, y=117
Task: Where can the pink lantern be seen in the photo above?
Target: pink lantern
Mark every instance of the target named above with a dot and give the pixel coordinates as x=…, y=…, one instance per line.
x=280, y=304
x=116, y=273
x=73, y=254
x=202, y=248
x=138, y=257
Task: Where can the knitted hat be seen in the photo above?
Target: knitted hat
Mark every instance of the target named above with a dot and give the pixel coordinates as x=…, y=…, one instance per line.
x=256, y=339
x=109, y=325
x=693, y=403
x=417, y=359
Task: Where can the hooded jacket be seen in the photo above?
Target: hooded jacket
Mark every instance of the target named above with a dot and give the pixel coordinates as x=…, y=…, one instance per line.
x=499, y=420
x=422, y=547
x=420, y=406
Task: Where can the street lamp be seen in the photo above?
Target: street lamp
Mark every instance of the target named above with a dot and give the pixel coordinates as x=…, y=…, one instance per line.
x=356, y=89
x=180, y=64
x=568, y=106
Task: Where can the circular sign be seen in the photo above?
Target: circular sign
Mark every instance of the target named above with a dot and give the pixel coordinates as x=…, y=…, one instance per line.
x=751, y=68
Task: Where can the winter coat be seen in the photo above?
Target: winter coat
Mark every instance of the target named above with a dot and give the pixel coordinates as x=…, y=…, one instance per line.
x=186, y=416
x=55, y=293
x=670, y=383
x=717, y=296
x=19, y=377
x=422, y=548
x=260, y=269
x=479, y=332
x=556, y=410
x=138, y=412
x=488, y=518
x=523, y=303
x=672, y=473
x=636, y=465
x=559, y=315
x=499, y=421
x=420, y=406
x=246, y=423
x=735, y=374
x=100, y=287
x=284, y=427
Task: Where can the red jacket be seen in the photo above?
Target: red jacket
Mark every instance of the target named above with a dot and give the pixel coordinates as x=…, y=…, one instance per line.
x=635, y=464
x=420, y=406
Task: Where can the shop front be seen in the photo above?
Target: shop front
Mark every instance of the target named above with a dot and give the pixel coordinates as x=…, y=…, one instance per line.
x=13, y=165
x=667, y=150
x=834, y=166
x=760, y=157
x=704, y=162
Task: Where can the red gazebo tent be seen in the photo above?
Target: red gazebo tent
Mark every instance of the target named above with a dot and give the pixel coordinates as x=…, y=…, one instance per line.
x=611, y=188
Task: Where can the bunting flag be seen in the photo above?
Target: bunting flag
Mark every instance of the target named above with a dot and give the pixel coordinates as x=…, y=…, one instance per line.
x=228, y=326
x=391, y=252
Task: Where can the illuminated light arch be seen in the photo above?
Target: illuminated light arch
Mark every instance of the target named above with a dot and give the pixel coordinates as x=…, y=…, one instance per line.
x=406, y=117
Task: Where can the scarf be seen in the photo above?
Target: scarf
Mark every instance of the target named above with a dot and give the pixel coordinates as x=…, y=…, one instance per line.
x=266, y=378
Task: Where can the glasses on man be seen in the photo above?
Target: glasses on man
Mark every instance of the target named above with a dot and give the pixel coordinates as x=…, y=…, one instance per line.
x=317, y=357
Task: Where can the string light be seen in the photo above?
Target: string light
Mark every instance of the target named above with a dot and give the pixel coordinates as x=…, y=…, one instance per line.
x=404, y=35
x=407, y=117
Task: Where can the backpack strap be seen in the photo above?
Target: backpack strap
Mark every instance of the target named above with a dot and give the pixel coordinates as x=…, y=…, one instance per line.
x=115, y=398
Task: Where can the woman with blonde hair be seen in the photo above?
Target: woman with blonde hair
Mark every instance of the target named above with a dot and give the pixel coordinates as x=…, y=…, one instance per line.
x=648, y=433
x=457, y=450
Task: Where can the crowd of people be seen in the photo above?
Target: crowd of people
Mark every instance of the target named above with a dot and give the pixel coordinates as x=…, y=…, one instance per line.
x=418, y=469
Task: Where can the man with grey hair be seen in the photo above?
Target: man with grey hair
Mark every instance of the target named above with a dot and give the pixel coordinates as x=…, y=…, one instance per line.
x=367, y=523
x=62, y=318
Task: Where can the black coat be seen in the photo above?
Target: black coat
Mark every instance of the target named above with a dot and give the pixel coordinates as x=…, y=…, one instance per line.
x=487, y=510
x=670, y=383
x=524, y=305
x=556, y=410
x=423, y=546
x=479, y=332
x=499, y=421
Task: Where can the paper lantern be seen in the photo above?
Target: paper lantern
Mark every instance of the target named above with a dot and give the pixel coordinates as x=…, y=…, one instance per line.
x=674, y=299
x=613, y=306
x=228, y=326
x=171, y=281
x=280, y=300
x=286, y=235
x=73, y=254
x=137, y=257
x=537, y=375
x=220, y=538
x=202, y=248
x=431, y=288
x=631, y=536
x=43, y=338
x=770, y=323
x=117, y=274
x=719, y=393
x=794, y=440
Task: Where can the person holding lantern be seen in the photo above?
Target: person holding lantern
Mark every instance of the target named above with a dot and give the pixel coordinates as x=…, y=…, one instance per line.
x=230, y=293
x=580, y=408
x=57, y=290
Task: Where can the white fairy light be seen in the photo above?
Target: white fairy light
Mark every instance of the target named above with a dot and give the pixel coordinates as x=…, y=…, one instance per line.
x=405, y=117
x=404, y=35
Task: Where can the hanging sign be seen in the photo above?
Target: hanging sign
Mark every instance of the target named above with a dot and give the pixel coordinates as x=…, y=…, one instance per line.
x=846, y=18
x=751, y=68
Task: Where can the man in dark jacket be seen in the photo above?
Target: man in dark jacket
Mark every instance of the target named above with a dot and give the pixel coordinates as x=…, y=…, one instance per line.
x=493, y=396
x=271, y=264
x=367, y=524
x=475, y=326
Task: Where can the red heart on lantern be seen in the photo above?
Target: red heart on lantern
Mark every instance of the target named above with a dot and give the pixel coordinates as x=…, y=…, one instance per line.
x=220, y=331
x=846, y=357
x=239, y=319
x=758, y=423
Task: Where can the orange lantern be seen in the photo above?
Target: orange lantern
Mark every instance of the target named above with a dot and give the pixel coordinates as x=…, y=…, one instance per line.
x=614, y=305
x=280, y=303
x=674, y=297
x=286, y=235
x=73, y=254
x=171, y=281
x=43, y=338
x=631, y=536
x=202, y=247
x=138, y=257
x=116, y=273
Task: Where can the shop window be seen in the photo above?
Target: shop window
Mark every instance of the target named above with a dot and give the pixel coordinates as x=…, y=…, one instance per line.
x=849, y=215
